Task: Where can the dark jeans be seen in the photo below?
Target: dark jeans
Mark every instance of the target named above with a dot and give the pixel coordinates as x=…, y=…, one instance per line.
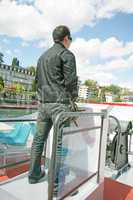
x=46, y=116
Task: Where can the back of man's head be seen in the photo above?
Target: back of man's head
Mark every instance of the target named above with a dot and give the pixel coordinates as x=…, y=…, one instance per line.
x=60, y=32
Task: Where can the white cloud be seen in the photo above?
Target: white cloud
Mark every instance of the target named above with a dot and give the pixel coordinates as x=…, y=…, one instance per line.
x=8, y=52
x=126, y=84
x=36, y=21
x=45, y=44
x=129, y=48
x=20, y=20
x=17, y=51
x=25, y=44
x=107, y=8
x=110, y=56
x=6, y=41
x=30, y=22
x=95, y=58
x=104, y=78
x=75, y=14
x=112, y=48
x=130, y=61
x=25, y=1
x=85, y=50
x=96, y=72
x=95, y=49
x=117, y=64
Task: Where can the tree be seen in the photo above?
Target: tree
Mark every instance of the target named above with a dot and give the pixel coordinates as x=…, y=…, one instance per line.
x=15, y=62
x=1, y=57
x=34, y=86
x=114, y=89
x=91, y=84
x=19, y=87
x=1, y=83
x=126, y=92
x=101, y=93
x=32, y=69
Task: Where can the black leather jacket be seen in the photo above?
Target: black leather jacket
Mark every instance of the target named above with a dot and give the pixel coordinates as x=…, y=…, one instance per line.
x=56, y=76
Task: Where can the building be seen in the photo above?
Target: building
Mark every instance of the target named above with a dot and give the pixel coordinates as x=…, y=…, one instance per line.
x=16, y=74
x=109, y=97
x=84, y=92
x=127, y=98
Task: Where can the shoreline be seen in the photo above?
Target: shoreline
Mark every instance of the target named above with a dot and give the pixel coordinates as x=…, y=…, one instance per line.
x=19, y=106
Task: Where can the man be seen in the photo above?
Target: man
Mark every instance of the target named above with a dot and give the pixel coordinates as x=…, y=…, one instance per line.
x=56, y=86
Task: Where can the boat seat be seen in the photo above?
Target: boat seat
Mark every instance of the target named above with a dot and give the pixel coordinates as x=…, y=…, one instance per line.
x=126, y=126
x=18, y=136
x=12, y=133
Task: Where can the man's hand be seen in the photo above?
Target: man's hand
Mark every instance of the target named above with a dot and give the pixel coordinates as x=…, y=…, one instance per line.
x=73, y=106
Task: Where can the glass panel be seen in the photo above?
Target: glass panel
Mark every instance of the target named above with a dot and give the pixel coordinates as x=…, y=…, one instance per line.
x=77, y=159
x=15, y=144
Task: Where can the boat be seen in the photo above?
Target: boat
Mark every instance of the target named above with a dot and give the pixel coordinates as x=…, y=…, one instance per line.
x=95, y=162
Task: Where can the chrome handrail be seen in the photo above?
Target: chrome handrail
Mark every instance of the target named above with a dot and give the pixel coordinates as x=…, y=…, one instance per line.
x=14, y=164
x=57, y=128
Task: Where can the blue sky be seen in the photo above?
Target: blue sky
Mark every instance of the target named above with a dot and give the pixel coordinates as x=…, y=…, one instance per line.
x=102, y=35
x=119, y=26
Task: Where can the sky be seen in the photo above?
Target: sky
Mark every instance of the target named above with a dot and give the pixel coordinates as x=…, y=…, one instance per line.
x=102, y=32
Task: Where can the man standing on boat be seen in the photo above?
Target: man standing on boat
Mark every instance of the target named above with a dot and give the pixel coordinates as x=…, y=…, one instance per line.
x=56, y=80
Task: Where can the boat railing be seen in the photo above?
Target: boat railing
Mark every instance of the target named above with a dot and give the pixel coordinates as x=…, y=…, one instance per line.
x=80, y=157
x=14, y=153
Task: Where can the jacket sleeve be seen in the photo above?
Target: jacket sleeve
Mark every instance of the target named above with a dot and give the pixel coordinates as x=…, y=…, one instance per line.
x=37, y=75
x=70, y=74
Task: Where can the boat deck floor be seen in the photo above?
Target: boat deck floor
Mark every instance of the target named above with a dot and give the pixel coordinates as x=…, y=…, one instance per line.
x=20, y=189
x=127, y=177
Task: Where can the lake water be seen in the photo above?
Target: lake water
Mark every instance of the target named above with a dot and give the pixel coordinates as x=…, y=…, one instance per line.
x=8, y=113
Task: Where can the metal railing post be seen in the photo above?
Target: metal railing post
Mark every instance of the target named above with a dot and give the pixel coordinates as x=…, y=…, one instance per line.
x=102, y=146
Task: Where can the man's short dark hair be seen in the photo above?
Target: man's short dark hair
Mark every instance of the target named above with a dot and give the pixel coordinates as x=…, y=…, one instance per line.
x=60, y=32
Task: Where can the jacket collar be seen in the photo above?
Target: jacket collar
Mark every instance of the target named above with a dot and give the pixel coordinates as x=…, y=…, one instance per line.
x=59, y=44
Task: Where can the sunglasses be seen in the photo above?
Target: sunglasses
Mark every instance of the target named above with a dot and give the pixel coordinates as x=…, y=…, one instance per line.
x=70, y=38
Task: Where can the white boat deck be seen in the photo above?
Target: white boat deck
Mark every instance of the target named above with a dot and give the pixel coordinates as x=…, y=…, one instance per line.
x=127, y=177
x=19, y=189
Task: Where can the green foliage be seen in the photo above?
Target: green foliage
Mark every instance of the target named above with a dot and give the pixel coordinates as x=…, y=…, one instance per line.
x=1, y=57
x=1, y=88
x=114, y=89
x=99, y=92
x=32, y=69
x=126, y=92
x=91, y=84
x=94, y=100
x=15, y=62
x=1, y=83
x=18, y=88
x=117, y=99
x=34, y=86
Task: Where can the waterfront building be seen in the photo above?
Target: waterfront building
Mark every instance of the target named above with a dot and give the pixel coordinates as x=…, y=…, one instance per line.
x=84, y=92
x=16, y=74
